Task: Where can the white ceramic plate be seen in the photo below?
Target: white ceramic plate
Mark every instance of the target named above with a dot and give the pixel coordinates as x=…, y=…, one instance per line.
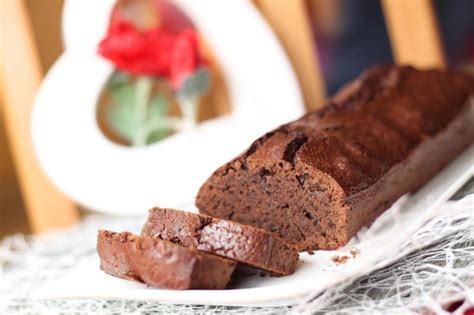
x=315, y=273
x=114, y=179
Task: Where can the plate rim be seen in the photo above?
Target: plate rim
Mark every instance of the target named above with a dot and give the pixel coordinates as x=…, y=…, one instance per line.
x=452, y=178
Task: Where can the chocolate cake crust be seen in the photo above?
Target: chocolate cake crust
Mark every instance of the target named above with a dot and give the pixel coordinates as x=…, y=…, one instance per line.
x=245, y=244
x=316, y=181
x=161, y=263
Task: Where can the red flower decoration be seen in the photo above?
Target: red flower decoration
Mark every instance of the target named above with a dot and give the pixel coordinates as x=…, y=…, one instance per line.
x=136, y=52
x=185, y=57
x=153, y=52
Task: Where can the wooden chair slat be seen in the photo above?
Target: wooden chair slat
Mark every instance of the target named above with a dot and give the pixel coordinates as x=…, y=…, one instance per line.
x=414, y=33
x=290, y=21
x=20, y=76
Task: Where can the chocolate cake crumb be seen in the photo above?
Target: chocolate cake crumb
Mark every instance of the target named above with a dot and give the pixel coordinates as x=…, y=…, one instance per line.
x=339, y=260
x=354, y=252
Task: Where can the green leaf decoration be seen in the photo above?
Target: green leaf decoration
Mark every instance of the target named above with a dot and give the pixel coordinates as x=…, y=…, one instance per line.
x=158, y=107
x=121, y=113
x=118, y=78
x=196, y=84
x=123, y=94
x=158, y=135
x=138, y=116
x=157, y=110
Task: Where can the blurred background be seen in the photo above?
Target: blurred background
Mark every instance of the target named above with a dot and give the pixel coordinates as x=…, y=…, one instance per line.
x=45, y=17
x=348, y=37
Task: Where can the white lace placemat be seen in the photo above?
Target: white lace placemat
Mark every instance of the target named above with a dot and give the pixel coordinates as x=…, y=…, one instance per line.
x=434, y=268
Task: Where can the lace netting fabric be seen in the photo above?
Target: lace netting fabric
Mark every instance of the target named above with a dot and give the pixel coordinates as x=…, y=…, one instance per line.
x=432, y=269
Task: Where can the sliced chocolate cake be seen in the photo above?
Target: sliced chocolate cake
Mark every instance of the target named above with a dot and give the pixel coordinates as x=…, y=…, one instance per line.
x=245, y=244
x=161, y=263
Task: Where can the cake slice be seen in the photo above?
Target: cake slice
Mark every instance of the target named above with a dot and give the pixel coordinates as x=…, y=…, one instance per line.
x=242, y=243
x=160, y=263
x=316, y=181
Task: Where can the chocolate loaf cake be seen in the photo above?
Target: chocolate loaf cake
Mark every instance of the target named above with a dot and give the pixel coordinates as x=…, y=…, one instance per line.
x=316, y=181
x=243, y=243
x=160, y=263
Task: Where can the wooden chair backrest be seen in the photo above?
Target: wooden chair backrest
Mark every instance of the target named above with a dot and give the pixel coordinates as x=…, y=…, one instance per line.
x=20, y=76
x=412, y=29
x=413, y=34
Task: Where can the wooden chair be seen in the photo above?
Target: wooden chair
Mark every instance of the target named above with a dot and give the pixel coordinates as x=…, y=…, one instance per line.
x=413, y=33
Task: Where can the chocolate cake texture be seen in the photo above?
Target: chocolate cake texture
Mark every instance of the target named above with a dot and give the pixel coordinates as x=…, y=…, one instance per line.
x=242, y=243
x=316, y=181
x=161, y=263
